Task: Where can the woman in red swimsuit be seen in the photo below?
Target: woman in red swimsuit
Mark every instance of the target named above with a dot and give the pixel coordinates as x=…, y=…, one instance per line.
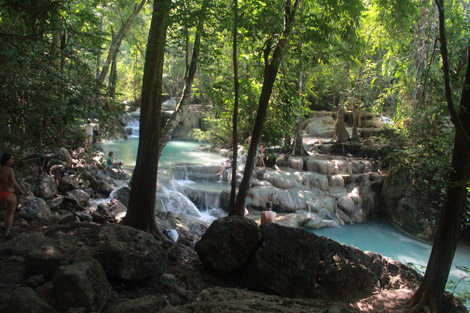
x=7, y=185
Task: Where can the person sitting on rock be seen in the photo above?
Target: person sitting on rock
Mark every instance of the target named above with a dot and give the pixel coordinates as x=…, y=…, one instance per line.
x=112, y=163
x=227, y=164
x=268, y=216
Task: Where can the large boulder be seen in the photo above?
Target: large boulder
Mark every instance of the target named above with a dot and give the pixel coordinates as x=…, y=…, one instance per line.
x=145, y=304
x=409, y=204
x=44, y=187
x=113, y=211
x=43, y=260
x=228, y=244
x=295, y=263
x=122, y=194
x=65, y=156
x=77, y=199
x=226, y=300
x=67, y=183
x=23, y=300
x=127, y=253
x=81, y=284
x=35, y=207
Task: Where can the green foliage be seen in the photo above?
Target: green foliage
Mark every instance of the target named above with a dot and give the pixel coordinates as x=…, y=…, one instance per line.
x=464, y=293
x=48, y=85
x=452, y=286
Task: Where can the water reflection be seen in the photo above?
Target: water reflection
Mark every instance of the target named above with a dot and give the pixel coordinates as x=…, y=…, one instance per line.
x=176, y=152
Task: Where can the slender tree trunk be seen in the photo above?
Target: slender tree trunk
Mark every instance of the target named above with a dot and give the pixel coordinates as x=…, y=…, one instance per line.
x=236, y=87
x=298, y=146
x=355, y=134
x=113, y=78
x=116, y=41
x=98, y=57
x=141, y=210
x=341, y=134
x=185, y=98
x=270, y=72
x=431, y=290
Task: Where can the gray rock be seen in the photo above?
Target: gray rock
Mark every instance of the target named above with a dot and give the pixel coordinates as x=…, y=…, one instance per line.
x=24, y=244
x=314, y=222
x=67, y=183
x=284, y=180
x=82, y=284
x=23, y=300
x=113, y=211
x=346, y=204
x=65, y=156
x=43, y=260
x=145, y=304
x=128, y=253
x=228, y=244
x=407, y=205
x=296, y=163
x=45, y=187
x=78, y=198
x=35, y=207
x=56, y=203
x=122, y=194
x=227, y=300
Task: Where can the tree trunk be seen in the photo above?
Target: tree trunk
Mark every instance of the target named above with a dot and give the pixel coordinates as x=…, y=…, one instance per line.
x=236, y=87
x=116, y=41
x=355, y=135
x=141, y=210
x=185, y=98
x=270, y=73
x=430, y=292
x=341, y=134
x=113, y=78
x=298, y=145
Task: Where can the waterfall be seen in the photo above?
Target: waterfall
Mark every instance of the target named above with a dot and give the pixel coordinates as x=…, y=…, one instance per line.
x=187, y=164
x=132, y=124
x=171, y=200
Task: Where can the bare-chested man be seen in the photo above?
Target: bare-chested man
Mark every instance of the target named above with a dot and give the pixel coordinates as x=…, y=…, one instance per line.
x=268, y=216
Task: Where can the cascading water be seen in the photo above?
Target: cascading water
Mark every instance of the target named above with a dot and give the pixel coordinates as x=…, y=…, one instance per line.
x=132, y=124
x=188, y=163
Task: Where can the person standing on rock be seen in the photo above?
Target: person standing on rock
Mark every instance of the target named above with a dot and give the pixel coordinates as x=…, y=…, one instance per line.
x=261, y=155
x=268, y=216
x=7, y=188
x=88, y=130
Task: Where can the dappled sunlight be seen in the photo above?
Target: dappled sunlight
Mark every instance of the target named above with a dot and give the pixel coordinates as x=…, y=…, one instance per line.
x=385, y=301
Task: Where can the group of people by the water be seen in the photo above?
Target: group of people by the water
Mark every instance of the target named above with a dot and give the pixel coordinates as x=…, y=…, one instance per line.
x=91, y=131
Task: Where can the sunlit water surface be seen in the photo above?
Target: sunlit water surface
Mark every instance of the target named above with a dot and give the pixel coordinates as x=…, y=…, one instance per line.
x=176, y=152
x=382, y=237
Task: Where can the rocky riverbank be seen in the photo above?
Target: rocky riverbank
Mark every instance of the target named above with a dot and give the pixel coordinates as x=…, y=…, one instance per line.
x=67, y=255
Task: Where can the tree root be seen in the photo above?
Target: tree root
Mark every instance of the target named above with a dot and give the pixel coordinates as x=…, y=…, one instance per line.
x=423, y=304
